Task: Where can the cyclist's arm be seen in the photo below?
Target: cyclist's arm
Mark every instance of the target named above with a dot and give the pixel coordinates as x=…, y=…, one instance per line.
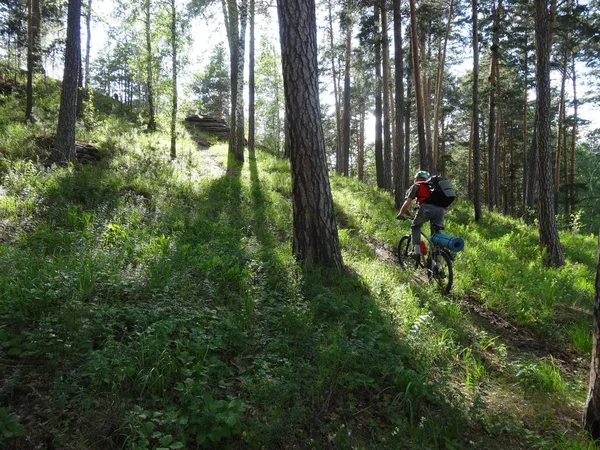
x=405, y=206
x=410, y=196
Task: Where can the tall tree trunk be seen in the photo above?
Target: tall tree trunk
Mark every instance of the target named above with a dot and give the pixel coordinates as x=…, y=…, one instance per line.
x=33, y=52
x=427, y=102
x=407, y=178
x=526, y=173
x=360, y=163
x=339, y=164
x=387, y=137
x=231, y=19
x=315, y=230
x=379, y=168
x=513, y=172
x=573, y=141
x=414, y=42
x=560, y=130
x=476, y=143
x=239, y=110
x=399, y=161
x=591, y=412
x=492, y=138
x=174, y=79
x=88, y=45
x=64, y=148
x=548, y=230
x=149, y=71
x=438, y=89
x=251, y=84
x=346, y=117
x=470, y=174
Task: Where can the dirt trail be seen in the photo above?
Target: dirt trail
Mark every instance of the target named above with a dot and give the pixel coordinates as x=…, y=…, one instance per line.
x=518, y=340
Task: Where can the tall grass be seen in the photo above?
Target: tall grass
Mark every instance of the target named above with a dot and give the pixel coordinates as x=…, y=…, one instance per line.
x=157, y=304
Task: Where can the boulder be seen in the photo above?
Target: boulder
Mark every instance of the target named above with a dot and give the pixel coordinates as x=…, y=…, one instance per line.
x=208, y=124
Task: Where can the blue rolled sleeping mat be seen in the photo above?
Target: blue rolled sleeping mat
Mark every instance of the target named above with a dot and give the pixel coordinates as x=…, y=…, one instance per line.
x=455, y=244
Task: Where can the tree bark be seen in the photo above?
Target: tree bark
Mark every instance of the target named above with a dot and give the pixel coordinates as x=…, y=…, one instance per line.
x=33, y=53
x=174, y=80
x=387, y=136
x=414, y=43
x=315, y=239
x=548, y=231
x=407, y=178
x=346, y=116
x=399, y=161
x=573, y=141
x=336, y=96
x=526, y=173
x=149, y=71
x=231, y=20
x=251, y=83
x=492, y=137
x=65, y=134
x=239, y=110
x=591, y=412
x=560, y=131
x=438, y=89
x=476, y=143
x=379, y=165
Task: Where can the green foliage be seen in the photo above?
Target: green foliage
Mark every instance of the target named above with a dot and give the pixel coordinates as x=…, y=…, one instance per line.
x=9, y=425
x=156, y=304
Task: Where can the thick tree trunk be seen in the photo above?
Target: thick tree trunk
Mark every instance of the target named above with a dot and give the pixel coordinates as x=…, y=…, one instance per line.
x=65, y=134
x=399, y=161
x=476, y=143
x=414, y=42
x=315, y=232
x=591, y=412
x=548, y=230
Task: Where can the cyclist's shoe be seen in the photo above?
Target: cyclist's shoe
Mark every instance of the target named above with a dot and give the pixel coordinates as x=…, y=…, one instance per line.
x=416, y=253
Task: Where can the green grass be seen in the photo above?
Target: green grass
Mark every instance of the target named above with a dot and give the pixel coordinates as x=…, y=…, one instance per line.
x=156, y=304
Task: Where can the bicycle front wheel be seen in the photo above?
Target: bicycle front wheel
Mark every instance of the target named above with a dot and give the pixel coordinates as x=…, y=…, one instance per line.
x=403, y=248
x=439, y=269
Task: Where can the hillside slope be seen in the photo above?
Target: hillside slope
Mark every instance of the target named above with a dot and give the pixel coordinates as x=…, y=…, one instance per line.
x=146, y=303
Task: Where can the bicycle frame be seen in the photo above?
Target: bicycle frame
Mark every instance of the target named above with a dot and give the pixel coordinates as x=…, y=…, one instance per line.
x=437, y=263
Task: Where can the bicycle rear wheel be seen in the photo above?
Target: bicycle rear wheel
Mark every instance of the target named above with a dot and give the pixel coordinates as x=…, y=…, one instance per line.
x=439, y=269
x=403, y=248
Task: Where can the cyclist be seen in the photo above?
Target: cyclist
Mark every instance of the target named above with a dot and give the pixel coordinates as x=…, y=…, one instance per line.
x=427, y=211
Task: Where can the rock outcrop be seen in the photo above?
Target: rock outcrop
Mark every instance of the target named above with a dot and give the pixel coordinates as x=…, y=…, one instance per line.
x=207, y=124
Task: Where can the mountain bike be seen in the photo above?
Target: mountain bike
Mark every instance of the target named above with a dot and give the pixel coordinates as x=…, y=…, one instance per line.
x=437, y=263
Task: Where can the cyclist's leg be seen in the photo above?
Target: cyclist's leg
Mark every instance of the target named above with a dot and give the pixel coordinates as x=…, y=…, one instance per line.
x=421, y=217
x=437, y=218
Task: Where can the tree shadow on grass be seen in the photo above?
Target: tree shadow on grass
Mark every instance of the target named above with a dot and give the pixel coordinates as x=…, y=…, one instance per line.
x=216, y=311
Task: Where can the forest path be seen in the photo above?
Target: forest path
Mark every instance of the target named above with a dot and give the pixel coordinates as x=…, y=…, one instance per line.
x=523, y=348
x=514, y=337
